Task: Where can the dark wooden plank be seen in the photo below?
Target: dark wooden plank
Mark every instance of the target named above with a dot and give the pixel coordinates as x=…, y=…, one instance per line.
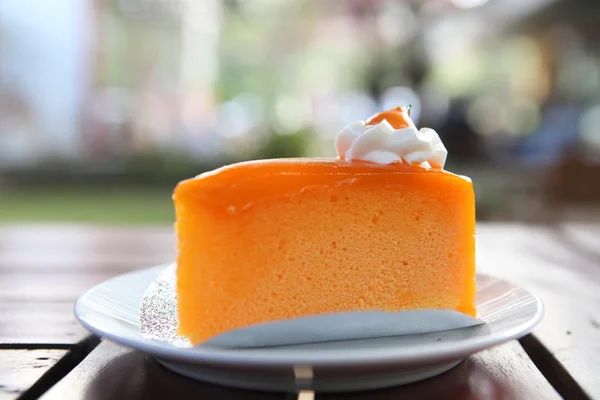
x=55, y=264
x=39, y=323
x=564, y=383
x=63, y=366
x=48, y=286
x=19, y=369
x=503, y=372
x=49, y=248
x=112, y=371
x=44, y=269
x=561, y=264
x=115, y=372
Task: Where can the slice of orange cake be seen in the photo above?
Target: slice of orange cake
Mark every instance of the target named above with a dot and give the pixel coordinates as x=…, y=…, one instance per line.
x=383, y=227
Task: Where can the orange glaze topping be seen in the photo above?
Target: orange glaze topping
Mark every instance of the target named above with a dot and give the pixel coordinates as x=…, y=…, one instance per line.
x=236, y=187
x=398, y=117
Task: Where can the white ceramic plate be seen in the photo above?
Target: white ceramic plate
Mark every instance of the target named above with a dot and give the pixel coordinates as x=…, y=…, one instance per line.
x=112, y=310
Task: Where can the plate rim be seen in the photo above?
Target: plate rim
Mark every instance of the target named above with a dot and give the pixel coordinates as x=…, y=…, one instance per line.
x=360, y=357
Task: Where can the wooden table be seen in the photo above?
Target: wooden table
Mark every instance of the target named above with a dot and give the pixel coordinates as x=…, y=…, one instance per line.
x=44, y=352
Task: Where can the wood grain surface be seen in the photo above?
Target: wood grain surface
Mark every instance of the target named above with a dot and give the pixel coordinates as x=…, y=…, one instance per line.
x=561, y=264
x=40, y=323
x=19, y=369
x=112, y=371
x=43, y=269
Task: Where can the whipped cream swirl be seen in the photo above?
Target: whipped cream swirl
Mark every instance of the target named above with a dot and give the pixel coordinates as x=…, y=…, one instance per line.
x=382, y=144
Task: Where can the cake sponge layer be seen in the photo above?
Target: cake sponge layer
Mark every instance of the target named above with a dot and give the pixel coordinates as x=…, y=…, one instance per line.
x=280, y=239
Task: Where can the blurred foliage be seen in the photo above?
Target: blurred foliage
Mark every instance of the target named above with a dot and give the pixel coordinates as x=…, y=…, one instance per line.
x=133, y=191
x=171, y=96
x=149, y=169
x=286, y=146
x=99, y=204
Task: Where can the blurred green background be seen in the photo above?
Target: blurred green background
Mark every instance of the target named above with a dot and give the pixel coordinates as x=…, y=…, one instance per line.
x=106, y=104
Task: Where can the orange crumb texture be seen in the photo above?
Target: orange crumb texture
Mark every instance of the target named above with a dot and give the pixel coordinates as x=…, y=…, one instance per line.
x=269, y=240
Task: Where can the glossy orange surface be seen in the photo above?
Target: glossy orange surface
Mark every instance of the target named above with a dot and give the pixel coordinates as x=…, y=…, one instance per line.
x=268, y=240
x=398, y=117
